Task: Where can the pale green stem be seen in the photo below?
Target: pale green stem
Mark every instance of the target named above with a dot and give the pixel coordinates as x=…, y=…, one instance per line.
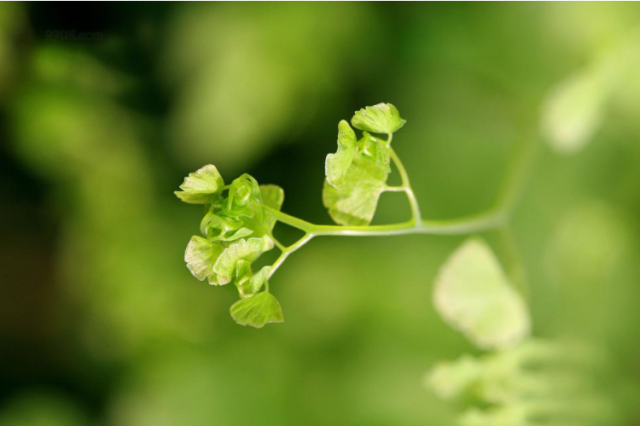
x=465, y=225
x=278, y=244
x=394, y=189
x=406, y=184
x=286, y=251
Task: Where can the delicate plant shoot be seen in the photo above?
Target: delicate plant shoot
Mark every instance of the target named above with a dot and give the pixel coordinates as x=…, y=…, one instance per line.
x=239, y=219
x=472, y=292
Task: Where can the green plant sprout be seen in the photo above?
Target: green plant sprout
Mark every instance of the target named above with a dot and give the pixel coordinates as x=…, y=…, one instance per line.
x=239, y=218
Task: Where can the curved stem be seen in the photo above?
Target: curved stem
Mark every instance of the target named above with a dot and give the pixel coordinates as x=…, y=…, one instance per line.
x=406, y=185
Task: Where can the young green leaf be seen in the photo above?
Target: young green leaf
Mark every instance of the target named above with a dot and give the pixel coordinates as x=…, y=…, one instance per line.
x=245, y=249
x=199, y=187
x=247, y=283
x=201, y=255
x=259, y=278
x=258, y=310
x=375, y=149
x=337, y=165
x=474, y=296
x=380, y=118
x=355, y=202
x=272, y=196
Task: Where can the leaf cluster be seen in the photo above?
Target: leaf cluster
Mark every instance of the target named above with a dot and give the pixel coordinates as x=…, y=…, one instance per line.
x=357, y=173
x=236, y=229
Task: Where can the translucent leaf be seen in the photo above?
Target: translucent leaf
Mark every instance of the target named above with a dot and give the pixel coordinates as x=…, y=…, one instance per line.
x=355, y=202
x=574, y=111
x=380, y=118
x=337, y=165
x=201, y=255
x=272, y=196
x=199, y=186
x=375, y=149
x=474, y=296
x=258, y=310
x=249, y=250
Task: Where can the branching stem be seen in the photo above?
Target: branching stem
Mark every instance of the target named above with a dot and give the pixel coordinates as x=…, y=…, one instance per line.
x=286, y=251
x=494, y=218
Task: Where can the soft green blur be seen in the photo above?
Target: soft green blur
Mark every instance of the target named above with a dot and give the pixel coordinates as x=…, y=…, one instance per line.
x=101, y=323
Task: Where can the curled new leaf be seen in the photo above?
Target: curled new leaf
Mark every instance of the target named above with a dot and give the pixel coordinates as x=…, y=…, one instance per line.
x=337, y=165
x=258, y=310
x=200, y=187
x=223, y=228
x=474, y=296
x=244, y=199
x=380, y=118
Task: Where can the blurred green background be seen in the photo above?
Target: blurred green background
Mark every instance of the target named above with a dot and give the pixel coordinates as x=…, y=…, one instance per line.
x=104, y=108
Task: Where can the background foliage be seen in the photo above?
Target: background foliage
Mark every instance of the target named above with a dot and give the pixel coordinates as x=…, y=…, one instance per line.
x=104, y=109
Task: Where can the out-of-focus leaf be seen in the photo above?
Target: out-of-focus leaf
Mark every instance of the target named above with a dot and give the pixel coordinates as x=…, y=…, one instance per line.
x=452, y=379
x=258, y=310
x=473, y=295
x=380, y=118
x=239, y=94
x=500, y=416
x=574, y=111
x=199, y=186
